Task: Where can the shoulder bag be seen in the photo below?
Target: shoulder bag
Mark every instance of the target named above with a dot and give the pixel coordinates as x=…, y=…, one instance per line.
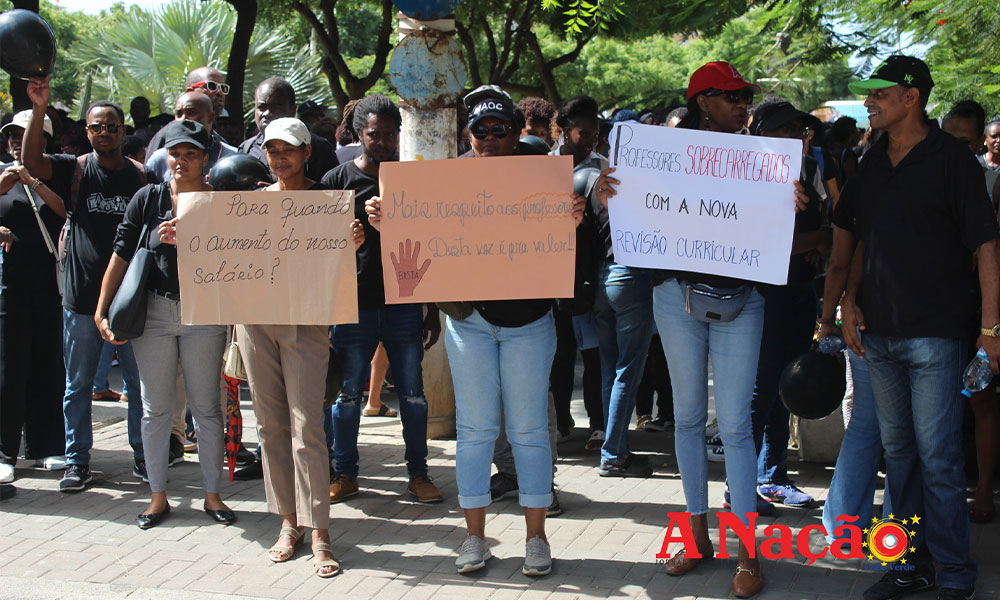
x=127, y=315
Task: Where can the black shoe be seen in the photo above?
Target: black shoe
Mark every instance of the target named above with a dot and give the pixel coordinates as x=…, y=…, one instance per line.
x=150, y=520
x=245, y=458
x=955, y=594
x=176, y=451
x=7, y=491
x=634, y=466
x=139, y=470
x=554, y=509
x=254, y=471
x=75, y=479
x=660, y=424
x=892, y=586
x=226, y=517
x=502, y=485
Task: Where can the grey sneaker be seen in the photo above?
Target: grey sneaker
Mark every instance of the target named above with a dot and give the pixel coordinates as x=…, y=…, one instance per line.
x=473, y=555
x=537, y=557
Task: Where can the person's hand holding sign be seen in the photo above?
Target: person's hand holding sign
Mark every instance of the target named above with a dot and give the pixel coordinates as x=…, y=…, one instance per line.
x=373, y=207
x=168, y=231
x=407, y=274
x=579, y=206
x=357, y=234
x=605, y=186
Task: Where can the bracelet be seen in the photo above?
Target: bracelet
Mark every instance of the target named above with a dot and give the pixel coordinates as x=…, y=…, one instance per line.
x=34, y=184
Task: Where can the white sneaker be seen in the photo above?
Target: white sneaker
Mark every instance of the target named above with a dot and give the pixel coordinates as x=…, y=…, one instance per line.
x=473, y=555
x=537, y=557
x=6, y=473
x=51, y=463
x=595, y=441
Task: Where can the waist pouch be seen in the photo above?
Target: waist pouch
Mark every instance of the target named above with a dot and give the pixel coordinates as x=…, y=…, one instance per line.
x=712, y=304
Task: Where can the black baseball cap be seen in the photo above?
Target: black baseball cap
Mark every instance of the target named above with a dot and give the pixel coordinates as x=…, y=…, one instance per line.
x=489, y=101
x=898, y=69
x=186, y=132
x=774, y=115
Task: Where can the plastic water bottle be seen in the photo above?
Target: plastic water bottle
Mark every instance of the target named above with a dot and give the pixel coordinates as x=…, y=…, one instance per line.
x=977, y=375
x=831, y=344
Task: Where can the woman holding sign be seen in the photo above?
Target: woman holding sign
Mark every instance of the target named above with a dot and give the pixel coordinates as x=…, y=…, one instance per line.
x=501, y=355
x=286, y=367
x=702, y=315
x=165, y=340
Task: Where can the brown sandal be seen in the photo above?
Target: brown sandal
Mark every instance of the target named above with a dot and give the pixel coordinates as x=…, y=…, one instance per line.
x=286, y=552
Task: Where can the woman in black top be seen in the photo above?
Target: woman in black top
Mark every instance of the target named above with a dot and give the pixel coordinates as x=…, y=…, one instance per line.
x=150, y=221
x=30, y=314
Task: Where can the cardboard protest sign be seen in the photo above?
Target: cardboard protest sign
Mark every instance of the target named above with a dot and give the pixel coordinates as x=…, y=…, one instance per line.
x=704, y=202
x=497, y=228
x=267, y=258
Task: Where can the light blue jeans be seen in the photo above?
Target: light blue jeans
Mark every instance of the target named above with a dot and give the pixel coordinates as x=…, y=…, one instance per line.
x=733, y=347
x=494, y=370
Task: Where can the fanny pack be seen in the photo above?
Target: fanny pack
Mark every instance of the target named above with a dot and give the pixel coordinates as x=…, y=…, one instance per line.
x=714, y=305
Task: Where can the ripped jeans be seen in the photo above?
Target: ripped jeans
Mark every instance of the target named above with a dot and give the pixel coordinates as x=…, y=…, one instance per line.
x=400, y=329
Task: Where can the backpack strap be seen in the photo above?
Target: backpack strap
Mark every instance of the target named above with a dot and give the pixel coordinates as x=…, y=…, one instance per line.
x=140, y=168
x=81, y=163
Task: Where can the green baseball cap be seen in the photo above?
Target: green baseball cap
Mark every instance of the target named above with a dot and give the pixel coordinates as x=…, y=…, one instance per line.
x=898, y=69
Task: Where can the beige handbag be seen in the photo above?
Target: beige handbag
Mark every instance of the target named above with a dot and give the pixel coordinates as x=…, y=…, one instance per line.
x=234, y=362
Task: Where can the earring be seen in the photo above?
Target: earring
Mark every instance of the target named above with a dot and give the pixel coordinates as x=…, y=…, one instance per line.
x=706, y=120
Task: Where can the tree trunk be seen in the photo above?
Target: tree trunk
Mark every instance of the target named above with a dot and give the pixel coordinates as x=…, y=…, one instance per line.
x=19, y=87
x=246, y=19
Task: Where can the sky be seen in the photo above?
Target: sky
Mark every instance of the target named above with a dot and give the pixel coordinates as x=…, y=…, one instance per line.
x=95, y=6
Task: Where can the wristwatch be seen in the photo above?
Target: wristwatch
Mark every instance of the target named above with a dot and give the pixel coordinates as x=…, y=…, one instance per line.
x=990, y=331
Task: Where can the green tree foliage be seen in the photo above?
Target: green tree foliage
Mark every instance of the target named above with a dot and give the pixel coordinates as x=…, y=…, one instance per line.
x=148, y=53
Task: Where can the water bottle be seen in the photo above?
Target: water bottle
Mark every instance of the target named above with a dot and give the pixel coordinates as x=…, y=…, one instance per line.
x=977, y=375
x=831, y=344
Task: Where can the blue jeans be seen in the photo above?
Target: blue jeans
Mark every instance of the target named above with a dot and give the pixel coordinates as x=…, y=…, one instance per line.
x=733, y=347
x=400, y=329
x=502, y=369
x=916, y=382
x=852, y=489
x=104, y=367
x=82, y=345
x=623, y=311
x=789, y=317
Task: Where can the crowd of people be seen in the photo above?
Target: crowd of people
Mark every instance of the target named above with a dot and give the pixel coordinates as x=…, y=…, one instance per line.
x=894, y=231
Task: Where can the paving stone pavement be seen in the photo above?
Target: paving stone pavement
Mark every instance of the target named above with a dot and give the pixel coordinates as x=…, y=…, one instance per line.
x=86, y=545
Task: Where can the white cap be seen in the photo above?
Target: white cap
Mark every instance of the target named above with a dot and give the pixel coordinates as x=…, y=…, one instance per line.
x=22, y=119
x=287, y=129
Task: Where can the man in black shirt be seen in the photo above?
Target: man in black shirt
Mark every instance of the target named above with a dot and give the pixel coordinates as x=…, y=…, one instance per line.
x=919, y=208
x=95, y=189
x=274, y=99
x=401, y=328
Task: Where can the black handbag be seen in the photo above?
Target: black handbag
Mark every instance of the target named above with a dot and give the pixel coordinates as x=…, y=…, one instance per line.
x=127, y=315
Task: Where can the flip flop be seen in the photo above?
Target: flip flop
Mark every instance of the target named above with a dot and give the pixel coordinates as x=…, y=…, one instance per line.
x=381, y=411
x=286, y=551
x=318, y=565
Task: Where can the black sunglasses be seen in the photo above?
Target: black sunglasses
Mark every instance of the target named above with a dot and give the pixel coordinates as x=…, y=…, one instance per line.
x=97, y=128
x=733, y=96
x=499, y=131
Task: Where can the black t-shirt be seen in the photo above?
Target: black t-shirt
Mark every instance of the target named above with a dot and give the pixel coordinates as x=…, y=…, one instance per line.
x=150, y=206
x=920, y=221
x=811, y=219
x=28, y=265
x=349, y=176
x=322, y=159
x=348, y=153
x=104, y=195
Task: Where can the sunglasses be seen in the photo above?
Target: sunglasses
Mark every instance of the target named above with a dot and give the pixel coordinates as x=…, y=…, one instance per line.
x=97, y=128
x=744, y=95
x=210, y=86
x=499, y=131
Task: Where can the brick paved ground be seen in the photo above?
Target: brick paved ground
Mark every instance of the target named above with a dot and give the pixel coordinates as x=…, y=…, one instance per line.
x=86, y=545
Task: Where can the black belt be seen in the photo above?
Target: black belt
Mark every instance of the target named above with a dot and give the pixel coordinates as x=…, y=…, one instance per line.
x=168, y=295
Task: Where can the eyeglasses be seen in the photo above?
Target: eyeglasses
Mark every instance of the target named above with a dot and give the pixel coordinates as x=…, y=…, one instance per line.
x=210, y=86
x=97, y=128
x=744, y=95
x=499, y=131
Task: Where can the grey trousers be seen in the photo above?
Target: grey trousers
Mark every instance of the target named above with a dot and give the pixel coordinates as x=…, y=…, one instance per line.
x=503, y=455
x=199, y=349
x=286, y=369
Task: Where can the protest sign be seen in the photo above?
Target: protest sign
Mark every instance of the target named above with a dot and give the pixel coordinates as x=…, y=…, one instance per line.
x=267, y=258
x=704, y=202
x=497, y=228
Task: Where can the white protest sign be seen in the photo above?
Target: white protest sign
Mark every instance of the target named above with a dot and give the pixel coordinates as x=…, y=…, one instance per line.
x=704, y=202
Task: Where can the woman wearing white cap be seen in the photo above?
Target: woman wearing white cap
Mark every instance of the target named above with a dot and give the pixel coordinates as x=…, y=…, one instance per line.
x=164, y=340
x=286, y=367
x=30, y=313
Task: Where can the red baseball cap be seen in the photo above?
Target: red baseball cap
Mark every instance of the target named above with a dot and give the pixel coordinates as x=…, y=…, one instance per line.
x=718, y=75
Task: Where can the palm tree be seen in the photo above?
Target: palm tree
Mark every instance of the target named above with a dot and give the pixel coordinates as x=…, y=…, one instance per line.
x=148, y=53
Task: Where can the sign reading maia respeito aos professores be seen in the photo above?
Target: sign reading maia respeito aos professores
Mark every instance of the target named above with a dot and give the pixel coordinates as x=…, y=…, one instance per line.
x=704, y=202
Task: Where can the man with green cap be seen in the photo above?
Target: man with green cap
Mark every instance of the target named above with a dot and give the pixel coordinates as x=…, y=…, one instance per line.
x=919, y=209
